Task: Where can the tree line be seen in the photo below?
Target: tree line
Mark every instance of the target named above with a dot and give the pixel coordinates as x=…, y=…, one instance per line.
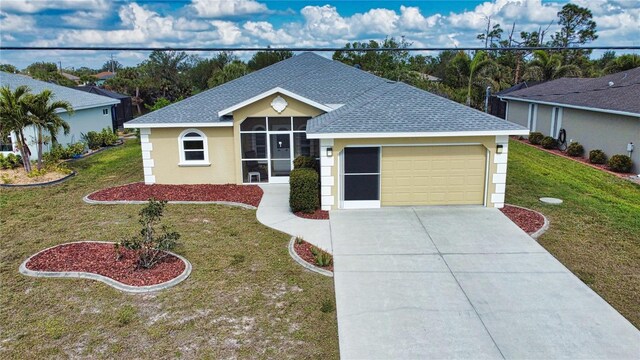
x=168, y=76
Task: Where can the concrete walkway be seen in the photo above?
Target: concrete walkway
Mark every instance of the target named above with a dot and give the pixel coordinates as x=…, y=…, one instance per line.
x=462, y=283
x=275, y=213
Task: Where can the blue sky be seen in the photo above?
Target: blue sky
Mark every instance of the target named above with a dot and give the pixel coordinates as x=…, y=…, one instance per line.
x=241, y=23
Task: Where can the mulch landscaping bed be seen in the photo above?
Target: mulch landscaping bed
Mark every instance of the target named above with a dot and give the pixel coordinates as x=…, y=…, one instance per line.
x=316, y=215
x=527, y=220
x=303, y=250
x=246, y=194
x=100, y=258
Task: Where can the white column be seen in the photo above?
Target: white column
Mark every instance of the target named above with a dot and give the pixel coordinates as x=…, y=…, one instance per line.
x=327, y=182
x=499, y=178
x=147, y=160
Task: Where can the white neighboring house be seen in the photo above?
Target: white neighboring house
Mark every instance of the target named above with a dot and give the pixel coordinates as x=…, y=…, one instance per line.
x=91, y=112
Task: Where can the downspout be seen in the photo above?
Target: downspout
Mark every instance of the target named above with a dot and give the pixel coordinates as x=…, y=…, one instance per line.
x=486, y=99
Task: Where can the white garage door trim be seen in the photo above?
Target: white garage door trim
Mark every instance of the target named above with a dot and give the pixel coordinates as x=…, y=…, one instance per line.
x=374, y=204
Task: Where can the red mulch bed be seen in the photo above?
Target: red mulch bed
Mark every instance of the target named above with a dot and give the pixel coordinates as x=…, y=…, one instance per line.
x=246, y=194
x=316, y=215
x=100, y=258
x=527, y=220
x=304, y=251
x=579, y=159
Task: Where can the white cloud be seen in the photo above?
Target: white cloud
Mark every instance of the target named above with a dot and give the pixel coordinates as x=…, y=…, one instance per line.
x=265, y=31
x=35, y=6
x=16, y=23
x=324, y=21
x=224, y=8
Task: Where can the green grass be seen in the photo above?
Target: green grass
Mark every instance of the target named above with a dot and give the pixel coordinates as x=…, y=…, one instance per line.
x=245, y=297
x=595, y=233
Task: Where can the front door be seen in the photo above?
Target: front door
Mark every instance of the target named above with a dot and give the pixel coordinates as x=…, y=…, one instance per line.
x=361, y=177
x=281, y=160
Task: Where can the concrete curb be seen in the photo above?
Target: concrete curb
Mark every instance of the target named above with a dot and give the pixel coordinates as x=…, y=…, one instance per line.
x=305, y=264
x=138, y=202
x=54, y=182
x=544, y=227
x=109, y=281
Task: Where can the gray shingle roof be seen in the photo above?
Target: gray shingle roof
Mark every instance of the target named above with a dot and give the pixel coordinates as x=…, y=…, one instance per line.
x=78, y=99
x=398, y=107
x=372, y=104
x=623, y=95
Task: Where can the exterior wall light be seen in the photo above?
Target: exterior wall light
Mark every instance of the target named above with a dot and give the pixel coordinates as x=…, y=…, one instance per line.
x=329, y=152
x=499, y=149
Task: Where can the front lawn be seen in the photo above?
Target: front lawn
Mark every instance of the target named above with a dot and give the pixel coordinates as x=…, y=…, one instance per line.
x=595, y=233
x=246, y=298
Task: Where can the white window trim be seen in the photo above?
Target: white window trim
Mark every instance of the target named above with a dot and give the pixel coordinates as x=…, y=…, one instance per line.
x=556, y=122
x=183, y=161
x=532, y=116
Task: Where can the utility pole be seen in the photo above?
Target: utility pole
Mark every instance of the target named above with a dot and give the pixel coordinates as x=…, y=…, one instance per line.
x=112, y=70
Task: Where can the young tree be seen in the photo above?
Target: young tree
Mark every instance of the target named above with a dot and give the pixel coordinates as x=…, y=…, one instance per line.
x=230, y=72
x=45, y=113
x=14, y=117
x=262, y=59
x=576, y=26
x=546, y=67
x=491, y=34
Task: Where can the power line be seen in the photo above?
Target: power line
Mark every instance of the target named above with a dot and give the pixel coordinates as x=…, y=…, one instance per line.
x=316, y=49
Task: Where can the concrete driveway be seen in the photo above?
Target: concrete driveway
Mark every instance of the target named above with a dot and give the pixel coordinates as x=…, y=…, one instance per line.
x=466, y=283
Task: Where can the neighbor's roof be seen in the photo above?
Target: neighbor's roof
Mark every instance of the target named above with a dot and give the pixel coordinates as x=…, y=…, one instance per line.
x=105, y=75
x=616, y=93
x=390, y=106
x=100, y=91
x=79, y=99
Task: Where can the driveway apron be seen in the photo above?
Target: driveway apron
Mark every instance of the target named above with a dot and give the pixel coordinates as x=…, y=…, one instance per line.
x=462, y=282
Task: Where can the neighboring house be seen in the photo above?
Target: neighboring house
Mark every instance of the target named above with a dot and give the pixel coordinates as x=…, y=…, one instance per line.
x=600, y=113
x=103, y=76
x=72, y=77
x=497, y=107
x=122, y=112
x=380, y=143
x=92, y=112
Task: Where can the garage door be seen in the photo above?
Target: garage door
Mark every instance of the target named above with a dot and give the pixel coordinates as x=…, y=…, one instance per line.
x=433, y=175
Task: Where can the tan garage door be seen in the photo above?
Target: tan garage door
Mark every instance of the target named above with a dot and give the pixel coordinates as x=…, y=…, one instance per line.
x=433, y=175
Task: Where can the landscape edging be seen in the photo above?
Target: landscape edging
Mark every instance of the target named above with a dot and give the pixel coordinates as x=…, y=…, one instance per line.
x=87, y=200
x=107, y=280
x=53, y=182
x=545, y=225
x=306, y=265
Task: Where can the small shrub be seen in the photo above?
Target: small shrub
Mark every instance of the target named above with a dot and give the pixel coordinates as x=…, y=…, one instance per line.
x=536, y=137
x=327, y=306
x=126, y=315
x=304, y=192
x=299, y=240
x=93, y=139
x=11, y=161
x=620, y=163
x=549, y=143
x=304, y=162
x=6, y=179
x=74, y=149
x=575, y=149
x=322, y=257
x=152, y=243
x=109, y=138
x=37, y=173
x=597, y=157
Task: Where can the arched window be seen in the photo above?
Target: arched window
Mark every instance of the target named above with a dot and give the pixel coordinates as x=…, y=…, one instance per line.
x=193, y=148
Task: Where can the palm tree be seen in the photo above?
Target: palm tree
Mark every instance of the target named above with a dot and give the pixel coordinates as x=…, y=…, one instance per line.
x=14, y=117
x=545, y=66
x=45, y=115
x=622, y=63
x=481, y=62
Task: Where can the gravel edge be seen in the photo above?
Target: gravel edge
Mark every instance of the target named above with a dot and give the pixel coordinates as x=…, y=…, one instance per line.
x=109, y=281
x=306, y=265
x=138, y=202
x=544, y=227
x=53, y=182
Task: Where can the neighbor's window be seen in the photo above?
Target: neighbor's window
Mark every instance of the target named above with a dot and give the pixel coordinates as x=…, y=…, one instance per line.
x=105, y=111
x=193, y=148
x=5, y=144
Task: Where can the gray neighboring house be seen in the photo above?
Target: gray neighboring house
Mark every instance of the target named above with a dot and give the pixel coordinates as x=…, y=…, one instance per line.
x=92, y=112
x=600, y=113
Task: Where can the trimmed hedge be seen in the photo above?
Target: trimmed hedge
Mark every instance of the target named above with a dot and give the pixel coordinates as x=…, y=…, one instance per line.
x=549, y=143
x=304, y=191
x=536, y=137
x=575, y=149
x=304, y=162
x=620, y=163
x=597, y=157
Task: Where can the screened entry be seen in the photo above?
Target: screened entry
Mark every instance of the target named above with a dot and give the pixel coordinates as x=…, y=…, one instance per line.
x=269, y=145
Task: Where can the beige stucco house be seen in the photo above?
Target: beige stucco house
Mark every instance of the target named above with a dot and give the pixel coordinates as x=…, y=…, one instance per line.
x=601, y=113
x=380, y=143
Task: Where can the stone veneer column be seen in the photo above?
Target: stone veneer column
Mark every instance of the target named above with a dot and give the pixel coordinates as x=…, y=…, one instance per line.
x=326, y=175
x=499, y=178
x=147, y=161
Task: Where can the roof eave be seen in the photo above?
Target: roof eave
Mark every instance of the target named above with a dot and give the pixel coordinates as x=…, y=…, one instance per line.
x=129, y=125
x=578, y=107
x=431, y=134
